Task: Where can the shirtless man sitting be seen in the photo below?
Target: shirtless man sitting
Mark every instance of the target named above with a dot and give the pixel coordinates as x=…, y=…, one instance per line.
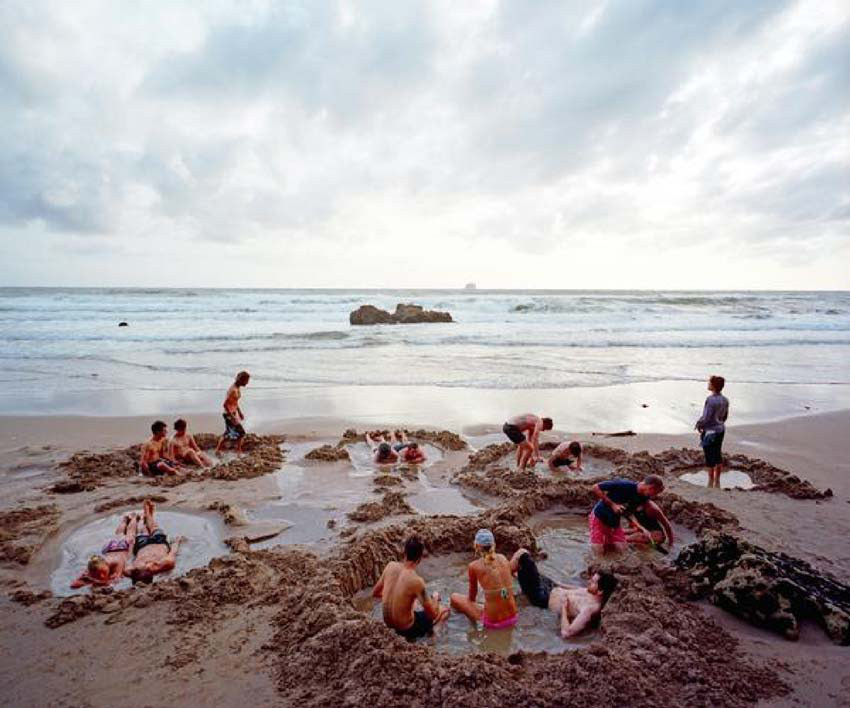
x=382, y=451
x=401, y=589
x=155, y=458
x=567, y=454
x=183, y=447
x=233, y=416
x=577, y=606
x=106, y=568
x=524, y=431
x=152, y=551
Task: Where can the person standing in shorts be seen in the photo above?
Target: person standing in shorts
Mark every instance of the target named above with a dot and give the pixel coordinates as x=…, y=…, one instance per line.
x=712, y=428
x=618, y=497
x=524, y=432
x=233, y=416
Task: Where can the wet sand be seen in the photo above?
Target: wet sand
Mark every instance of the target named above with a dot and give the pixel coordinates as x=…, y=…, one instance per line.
x=198, y=635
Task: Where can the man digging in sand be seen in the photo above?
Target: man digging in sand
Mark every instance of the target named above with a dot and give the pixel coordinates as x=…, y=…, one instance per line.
x=524, y=432
x=152, y=551
x=400, y=589
x=183, y=447
x=233, y=416
x=155, y=458
x=106, y=568
x=618, y=497
x=567, y=454
x=577, y=606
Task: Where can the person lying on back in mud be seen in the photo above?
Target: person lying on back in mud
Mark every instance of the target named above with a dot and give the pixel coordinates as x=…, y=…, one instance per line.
x=233, y=415
x=406, y=605
x=577, y=606
x=618, y=497
x=108, y=566
x=155, y=456
x=183, y=448
x=648, y=525
x=567, y=454
x=493, y=573
x=152, y=551
x=524, y=432
x=382, y=451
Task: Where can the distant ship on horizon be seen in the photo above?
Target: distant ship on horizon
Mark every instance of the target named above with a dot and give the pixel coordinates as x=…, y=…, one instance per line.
x=469, y=286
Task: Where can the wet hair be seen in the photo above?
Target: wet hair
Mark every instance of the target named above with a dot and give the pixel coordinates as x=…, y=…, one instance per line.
x=141, y=575
x=180, y=424
x=607, y=583
x=413, y=446
x=653, y=480
x=575, y=448
x=95, y=563
x=547, y=424
x=384, y=449
x=717, y=383
x=413, y=549
x=242, y=378
x=158, y=427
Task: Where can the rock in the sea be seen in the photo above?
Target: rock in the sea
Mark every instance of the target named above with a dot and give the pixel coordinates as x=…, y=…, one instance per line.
x=768, y=589
x=123, y=324
x=404, y=314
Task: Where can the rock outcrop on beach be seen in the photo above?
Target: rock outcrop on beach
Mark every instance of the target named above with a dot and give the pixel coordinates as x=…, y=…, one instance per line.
x=404, y=314
x=765, y=588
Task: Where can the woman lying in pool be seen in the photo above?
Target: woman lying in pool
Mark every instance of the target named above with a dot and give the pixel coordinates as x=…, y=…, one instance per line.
x=493, y=573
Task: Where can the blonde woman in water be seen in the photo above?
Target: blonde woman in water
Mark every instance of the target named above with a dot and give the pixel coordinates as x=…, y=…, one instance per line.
x=492, y=571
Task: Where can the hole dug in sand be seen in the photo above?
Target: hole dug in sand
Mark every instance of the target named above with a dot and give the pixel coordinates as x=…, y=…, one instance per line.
x=361, y=458
x=203, y=542
x=729, y=479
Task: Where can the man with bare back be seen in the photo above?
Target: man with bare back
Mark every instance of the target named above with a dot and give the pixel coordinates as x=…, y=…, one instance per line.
x=400, y=589
x=233, y=416
x=155, y=457
x=183, y=447
x=577, y=606
x=524, y=432
x=152, y=551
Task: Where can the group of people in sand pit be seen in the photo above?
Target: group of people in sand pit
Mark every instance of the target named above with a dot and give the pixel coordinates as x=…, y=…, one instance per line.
x=413, y=613
x=141, y=536
x=161, y=455
x=397, y=449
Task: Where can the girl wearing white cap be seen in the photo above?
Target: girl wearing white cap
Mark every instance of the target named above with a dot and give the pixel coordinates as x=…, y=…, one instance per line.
x=492, y=571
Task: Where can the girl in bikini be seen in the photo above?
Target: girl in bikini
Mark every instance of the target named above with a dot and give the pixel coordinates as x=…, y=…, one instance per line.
x=492, y=571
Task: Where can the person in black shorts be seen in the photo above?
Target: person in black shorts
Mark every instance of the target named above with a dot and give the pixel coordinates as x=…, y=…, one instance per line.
x=524, y=431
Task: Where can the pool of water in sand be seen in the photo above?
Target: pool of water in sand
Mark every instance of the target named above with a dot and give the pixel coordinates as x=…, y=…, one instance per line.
x=203, y=533
x=361, y=459
x=562, y=534
x=729, y=479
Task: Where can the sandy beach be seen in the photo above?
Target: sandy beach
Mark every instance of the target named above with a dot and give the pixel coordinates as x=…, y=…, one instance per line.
x=279, y=615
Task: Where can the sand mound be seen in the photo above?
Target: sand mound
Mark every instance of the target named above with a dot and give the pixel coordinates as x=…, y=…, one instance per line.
x=767, y=589
x=766, y=477
x=444, y=439
x=392, y=504
x=328, y=453
x=22, y=531
x=129, y=501
x=86, y=471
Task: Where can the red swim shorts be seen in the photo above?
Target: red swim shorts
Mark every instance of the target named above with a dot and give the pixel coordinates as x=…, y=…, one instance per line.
x=603, y=535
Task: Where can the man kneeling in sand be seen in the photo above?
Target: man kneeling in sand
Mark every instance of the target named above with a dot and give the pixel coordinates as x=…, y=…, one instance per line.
x=577, y=606
x=400, y=589
x=152, y=551
x=155, y=458
x=183, y=447
x=108, y=567
x=567, y=454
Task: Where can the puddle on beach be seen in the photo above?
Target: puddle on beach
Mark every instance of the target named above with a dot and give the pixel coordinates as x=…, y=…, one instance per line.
x=728, y=479
x=203, y=542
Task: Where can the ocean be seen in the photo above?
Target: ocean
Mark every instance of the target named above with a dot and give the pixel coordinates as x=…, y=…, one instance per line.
x=185, y=340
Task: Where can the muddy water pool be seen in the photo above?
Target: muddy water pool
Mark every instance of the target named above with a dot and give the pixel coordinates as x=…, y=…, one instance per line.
x=729, y=479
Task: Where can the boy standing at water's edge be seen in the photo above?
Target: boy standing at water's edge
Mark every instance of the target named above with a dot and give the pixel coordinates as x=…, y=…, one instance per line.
x=233, y=416
x=712, y=428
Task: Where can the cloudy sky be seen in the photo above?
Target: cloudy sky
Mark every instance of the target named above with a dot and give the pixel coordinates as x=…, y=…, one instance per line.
x=553, y=144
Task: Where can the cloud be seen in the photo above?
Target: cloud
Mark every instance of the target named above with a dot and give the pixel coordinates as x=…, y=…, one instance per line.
x=533, y=128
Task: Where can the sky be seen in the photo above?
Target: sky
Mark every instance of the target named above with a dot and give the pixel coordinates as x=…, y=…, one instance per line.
x=633, y=144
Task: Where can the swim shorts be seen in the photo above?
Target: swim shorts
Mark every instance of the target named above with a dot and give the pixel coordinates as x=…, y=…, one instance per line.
x=422, y=627
x=712, y=447
x=144, y=539
x=155, y=468
x=515, y=435
x=602, y=534
x=535, y=587
x=115, y=545
x=233, y=429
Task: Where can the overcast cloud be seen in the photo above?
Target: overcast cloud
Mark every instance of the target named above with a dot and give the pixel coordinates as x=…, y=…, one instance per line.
x=516, y=144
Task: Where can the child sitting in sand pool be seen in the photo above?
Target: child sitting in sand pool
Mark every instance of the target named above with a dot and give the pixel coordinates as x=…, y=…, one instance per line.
x=183, y=447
